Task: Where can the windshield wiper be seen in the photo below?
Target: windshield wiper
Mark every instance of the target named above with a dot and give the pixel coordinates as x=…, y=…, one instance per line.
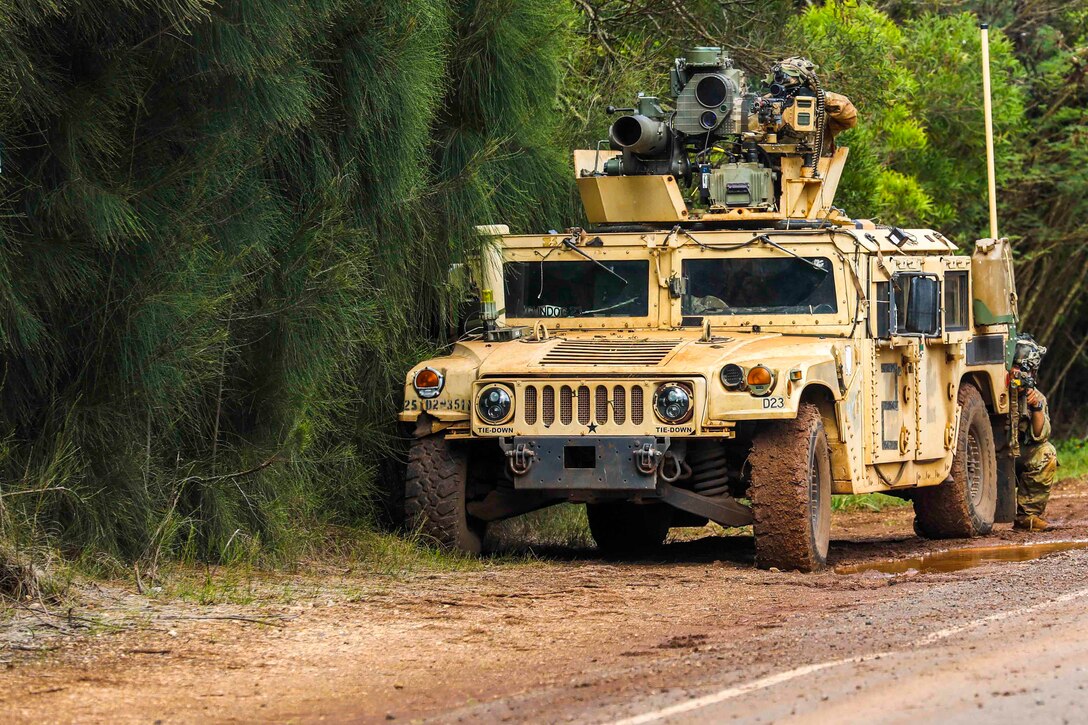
x=608, y=309
x=767, y=240
x=569, y=244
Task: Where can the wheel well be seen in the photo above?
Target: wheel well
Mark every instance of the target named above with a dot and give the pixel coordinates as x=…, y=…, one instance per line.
x=819, y=395
x=983, y=385
x=822, y=397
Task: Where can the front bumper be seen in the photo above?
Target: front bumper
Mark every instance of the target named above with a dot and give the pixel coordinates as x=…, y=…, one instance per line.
x=585, y=463
x=585, y=467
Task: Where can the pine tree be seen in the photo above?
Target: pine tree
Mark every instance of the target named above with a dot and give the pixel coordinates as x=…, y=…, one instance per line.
x=219, y=247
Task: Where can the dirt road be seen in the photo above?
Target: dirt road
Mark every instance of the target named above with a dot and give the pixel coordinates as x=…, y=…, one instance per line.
x=696, y=635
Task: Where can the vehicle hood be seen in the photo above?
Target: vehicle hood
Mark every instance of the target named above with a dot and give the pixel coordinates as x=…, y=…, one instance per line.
x=666, y=353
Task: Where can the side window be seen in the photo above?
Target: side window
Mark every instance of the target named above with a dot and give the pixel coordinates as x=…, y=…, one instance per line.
x=955, y=301
x=916, y=305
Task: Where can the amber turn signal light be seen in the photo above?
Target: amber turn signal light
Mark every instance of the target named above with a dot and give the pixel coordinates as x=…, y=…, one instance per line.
x=760, y=376
x=760, y=380
x=428, y=383
x=426, y=378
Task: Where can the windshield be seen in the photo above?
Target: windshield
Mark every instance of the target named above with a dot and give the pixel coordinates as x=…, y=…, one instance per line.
x=577, y=289
x=779, y=286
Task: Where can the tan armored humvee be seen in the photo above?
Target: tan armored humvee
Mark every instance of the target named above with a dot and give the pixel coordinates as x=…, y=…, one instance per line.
x=722, y=345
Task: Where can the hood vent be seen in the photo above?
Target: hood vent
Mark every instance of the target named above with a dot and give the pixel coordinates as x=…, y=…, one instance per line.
x=634, y=353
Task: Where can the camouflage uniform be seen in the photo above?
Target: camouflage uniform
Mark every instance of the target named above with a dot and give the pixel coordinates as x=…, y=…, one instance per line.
x=1036, y=466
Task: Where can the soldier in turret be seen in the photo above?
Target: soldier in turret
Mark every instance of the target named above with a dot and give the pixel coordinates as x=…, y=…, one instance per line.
x=1038, y=460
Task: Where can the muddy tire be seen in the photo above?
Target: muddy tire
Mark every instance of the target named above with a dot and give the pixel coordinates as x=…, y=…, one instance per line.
x=965, y=504
x=791, y=493
x=434, y=496
x=623, y=529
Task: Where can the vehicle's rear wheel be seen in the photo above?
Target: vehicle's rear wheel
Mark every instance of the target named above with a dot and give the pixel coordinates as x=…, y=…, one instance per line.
x=624, y=528
x=965, y=503
x=791, y=492
x=434, y=495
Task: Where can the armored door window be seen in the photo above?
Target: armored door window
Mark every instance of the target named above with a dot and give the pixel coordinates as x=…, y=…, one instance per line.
x=955, y=301
x=915, y=305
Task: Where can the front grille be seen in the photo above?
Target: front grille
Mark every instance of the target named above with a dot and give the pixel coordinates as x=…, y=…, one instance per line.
x=583, y=405
x=530, y=405
x=619, y=404
x=549, y=405
x=600, y=404
x=610, y=352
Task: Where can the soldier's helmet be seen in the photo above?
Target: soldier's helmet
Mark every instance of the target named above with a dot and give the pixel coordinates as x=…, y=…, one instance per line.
x=1029, y=354
x=791, y=72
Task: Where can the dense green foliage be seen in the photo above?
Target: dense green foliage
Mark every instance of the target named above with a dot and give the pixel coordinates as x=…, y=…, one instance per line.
x=225, y=225
x=224, y=235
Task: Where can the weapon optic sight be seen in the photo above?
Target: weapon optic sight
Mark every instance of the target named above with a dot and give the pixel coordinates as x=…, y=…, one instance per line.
x=726, y=136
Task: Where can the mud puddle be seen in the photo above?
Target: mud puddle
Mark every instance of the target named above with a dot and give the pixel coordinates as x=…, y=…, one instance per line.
x=959, y=559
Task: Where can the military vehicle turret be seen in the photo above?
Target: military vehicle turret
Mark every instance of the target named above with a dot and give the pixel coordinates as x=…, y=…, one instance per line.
x=720, y=343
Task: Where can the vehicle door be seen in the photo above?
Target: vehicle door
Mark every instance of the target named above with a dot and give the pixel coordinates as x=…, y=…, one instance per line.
x=893, y=404
x=943, y=359
x=924, y=321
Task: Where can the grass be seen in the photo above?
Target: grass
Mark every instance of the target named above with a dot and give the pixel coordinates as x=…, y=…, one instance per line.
x=32, y=575
x=324, y=557
x=564, y=525
x=336, y=559
x=1072, y=457
x=866, y=502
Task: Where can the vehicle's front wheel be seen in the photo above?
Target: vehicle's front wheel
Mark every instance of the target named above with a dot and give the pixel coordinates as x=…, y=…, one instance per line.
x=623, y=528
x=965, y=503
x=435, y=495
x=791, y=492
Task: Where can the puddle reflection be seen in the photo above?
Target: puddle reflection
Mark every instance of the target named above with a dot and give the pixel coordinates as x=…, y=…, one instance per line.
x=958, y=559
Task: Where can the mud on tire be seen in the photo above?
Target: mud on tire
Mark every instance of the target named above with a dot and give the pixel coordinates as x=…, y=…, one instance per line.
x=622, y=528
x=965, y=504
x=434, y=495
x=791, y=492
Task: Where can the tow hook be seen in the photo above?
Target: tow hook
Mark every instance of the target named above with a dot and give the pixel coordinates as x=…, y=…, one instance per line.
x=677, y=470
x=646, y=458
x=520, y=458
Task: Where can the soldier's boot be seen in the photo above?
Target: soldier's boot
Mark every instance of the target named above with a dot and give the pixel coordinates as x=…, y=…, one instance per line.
x=1031, y=523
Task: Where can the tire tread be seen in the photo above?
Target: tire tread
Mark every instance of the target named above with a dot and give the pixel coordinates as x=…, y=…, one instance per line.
x=434, y=495
x=779, y=492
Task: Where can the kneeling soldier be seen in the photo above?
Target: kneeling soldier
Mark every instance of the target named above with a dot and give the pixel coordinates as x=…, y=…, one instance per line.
x=1038, y=460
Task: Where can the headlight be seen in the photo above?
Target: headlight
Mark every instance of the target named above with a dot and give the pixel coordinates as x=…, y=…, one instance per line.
x=761, y=380
x=428, y=383
x=732, y=377
x=495, y=405
x=672, y=403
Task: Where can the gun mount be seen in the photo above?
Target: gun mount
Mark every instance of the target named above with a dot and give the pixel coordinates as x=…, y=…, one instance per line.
x=724, y=153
